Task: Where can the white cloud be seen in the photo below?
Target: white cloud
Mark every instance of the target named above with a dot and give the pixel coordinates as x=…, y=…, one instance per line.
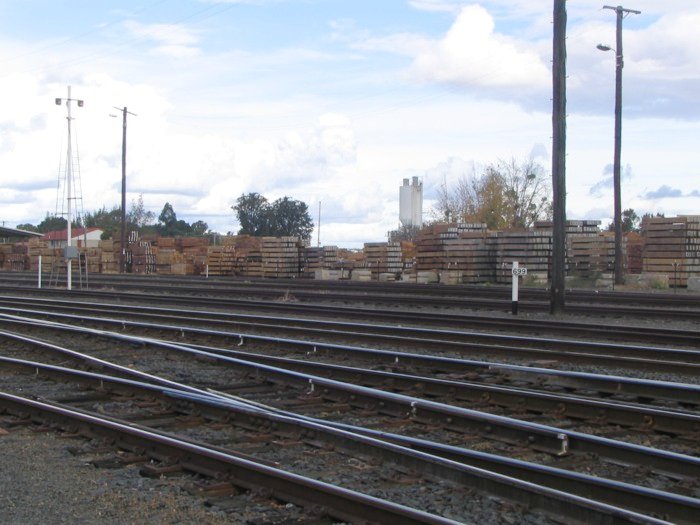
x=472, y=53
x=173, y=40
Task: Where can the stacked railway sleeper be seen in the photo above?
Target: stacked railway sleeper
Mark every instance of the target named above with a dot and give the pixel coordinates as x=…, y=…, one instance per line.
x=428, y=425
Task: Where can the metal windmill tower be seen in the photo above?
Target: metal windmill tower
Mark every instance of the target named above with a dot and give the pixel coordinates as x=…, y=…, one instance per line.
x=71, y=194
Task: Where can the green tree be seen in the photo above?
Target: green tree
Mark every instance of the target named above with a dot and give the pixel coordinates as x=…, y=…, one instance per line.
x=284, y=217
x=253, y=213
x=52, y=223
x=28, y=227
x=290, y=217
x=169, y=225
x=199, y=228
x=109, y=221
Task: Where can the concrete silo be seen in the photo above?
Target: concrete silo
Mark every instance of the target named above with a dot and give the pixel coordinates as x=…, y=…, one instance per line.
x=411, y=203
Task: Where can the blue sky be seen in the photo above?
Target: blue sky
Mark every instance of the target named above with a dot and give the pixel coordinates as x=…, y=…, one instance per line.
x=338, y=101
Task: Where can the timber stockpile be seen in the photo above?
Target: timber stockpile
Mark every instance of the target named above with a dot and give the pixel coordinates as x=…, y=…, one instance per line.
x=462, y=253
x=666, y=253
x=589, y=252
x=531, y=248
x=320, y=262
x=280, y=257
x=383, y=259
x=236, y=255
x=672, y=247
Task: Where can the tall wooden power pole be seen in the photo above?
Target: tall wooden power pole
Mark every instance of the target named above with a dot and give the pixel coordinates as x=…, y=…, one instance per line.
x=617, y=190
x=557, y=290
x=122, y=255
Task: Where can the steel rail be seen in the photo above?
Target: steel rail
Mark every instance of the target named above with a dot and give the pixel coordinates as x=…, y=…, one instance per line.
x=454, y=292
x=625, y=360
x=374, y=330
x=393, y=299
x=667, y=421
x=642, y=388
x=342, y=503
x=677, y=392
x=537, y=436
x=673, y=507
x=461, y=320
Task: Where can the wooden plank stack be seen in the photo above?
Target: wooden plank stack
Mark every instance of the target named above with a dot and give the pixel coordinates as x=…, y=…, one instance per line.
x=461, y=251
x=531, y=248
x=635, y=252
x=672, y=247
x=383, y=257
x=590, y=255
x=318, y=258
x=280, y=257
x=143, y=257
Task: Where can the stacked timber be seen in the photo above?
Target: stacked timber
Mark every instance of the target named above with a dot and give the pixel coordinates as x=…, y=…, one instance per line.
x=37, y=248
x=672, y=247
x=590, y=255
x=318, y=258
x=280, y=257
x=16, y=257
x=531, y=248
x=383, y=258
x=194, y=251
x=109, y=256
x=635, y=252
x=459, y=253
x=143, y=257
x=579, y=227
x=220, y=260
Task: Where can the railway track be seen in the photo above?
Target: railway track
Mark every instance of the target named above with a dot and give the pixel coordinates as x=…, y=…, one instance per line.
x=393, y=295
x=688, y=337
x=174, y=408
x=536, y=437
x=413, y=387
x=449, y=343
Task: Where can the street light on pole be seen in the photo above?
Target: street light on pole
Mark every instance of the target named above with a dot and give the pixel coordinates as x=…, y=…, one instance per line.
x=69, y=253
x=122, y=256
x=619, y=63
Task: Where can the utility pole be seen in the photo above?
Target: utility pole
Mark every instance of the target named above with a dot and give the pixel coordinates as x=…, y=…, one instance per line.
x=318, y=238
x=621, y=12
x=557, y=290
x=122, y=256
x=69, y=253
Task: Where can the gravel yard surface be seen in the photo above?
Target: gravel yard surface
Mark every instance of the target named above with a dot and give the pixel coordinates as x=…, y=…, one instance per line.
x=42, y=482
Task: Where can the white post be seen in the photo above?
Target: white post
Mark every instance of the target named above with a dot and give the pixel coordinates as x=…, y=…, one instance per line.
x=207, y=272
x=516, y=274
x=39, y=276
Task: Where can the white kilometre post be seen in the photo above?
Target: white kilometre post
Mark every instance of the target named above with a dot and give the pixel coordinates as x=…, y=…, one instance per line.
x=517, y=272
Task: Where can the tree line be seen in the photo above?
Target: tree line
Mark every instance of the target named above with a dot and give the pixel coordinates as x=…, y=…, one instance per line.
x=255, y=214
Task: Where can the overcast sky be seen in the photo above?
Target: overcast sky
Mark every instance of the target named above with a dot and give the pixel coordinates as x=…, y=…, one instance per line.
x=337, y=101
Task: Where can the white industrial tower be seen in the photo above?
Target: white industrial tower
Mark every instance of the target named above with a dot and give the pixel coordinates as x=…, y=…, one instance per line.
x=411, y=203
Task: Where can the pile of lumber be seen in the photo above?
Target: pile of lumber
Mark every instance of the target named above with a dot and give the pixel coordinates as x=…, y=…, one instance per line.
x=143, y=257
x=280, y=257
x=672, y=247
x=14, y=257
x=590, y=255
x=319, y=258
x=383, y=258
x=461, y=251
x=531, y=248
